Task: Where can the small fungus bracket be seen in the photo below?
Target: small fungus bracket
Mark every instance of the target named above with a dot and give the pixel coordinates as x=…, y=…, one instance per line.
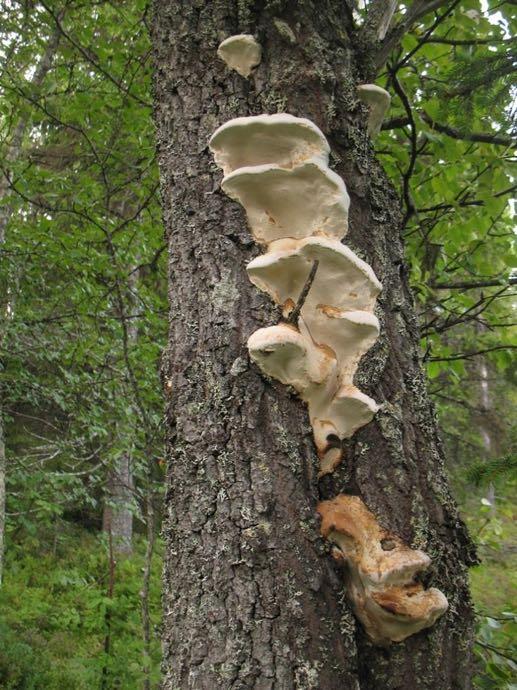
x=378, y=101
x=241, y=53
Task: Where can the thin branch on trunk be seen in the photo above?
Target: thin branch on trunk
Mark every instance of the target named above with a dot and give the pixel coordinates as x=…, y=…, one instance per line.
x=466, y=285
x=478, y=137
x=295, y=314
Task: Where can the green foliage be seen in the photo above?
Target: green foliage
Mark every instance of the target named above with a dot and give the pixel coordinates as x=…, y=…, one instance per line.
x=492, y=469
x=492, y=523
x=83, y=259
x=55, y=607
x=455, y=84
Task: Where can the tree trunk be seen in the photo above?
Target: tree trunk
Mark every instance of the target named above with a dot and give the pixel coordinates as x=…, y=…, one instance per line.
x=117, y=517
x=252, y=599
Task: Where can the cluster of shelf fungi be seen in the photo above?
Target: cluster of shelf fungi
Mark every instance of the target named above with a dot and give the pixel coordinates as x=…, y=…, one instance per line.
x=276, y=167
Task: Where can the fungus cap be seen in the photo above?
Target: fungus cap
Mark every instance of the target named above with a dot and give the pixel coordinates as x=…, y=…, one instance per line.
x=342, y=416
x=342, y=281
x=241, y=53
x=378, y=101
x=280, y=139
x=350, y=334
x=283, y=353
x=299, y=202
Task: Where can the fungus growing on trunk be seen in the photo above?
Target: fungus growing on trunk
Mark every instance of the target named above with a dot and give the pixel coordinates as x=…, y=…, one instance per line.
x=283, y=353
x=297, y=202
x=380, y=572
x=241, y=53
x=276, y=167
x=350, y=334
x=378, y=101
x=279, y=139
x=343, y=280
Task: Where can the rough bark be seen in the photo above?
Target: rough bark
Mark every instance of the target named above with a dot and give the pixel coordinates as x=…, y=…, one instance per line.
x=252, y=599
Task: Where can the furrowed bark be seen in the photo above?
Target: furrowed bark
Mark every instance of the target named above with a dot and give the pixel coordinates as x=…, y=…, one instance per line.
x=252, y=599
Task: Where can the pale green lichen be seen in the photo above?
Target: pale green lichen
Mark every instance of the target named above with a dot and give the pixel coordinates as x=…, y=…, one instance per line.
x=284, y=30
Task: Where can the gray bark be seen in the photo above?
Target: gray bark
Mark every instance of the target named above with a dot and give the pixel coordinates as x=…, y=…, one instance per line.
x=252, y=599
x=117, y=516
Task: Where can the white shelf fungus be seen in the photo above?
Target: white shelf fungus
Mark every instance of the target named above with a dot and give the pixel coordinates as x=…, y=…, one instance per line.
x=241, y=53
x=283, y=353
x=346, y=412
x=350, y=334
x=298, y=202
x=342, y=281
x=378, y=101
x=280, y=139
x=380, y=571
x=276, y=166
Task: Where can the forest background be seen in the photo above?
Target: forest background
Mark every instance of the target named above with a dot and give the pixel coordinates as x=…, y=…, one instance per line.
x=83, y=292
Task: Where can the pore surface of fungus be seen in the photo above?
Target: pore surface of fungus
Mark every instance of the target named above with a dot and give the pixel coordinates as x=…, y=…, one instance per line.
x=283, y=353
x=378, y=101
x=297, y=202
x=279, y=139
x=380, y=572
x=241, y=53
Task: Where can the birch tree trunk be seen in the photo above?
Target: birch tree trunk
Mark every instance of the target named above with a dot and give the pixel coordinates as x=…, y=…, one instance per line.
x=252, y=599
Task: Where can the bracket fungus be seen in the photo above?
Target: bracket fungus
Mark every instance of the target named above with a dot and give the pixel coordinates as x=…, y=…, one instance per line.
x=296, y=202
x=279, y=139
x=276, y=167
x=283, y=353
x=381, y=572
x=378, y=101
x=241, y=53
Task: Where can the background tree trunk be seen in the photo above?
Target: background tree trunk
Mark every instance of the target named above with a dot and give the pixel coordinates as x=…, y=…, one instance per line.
x=117, y=516
x=252, y=599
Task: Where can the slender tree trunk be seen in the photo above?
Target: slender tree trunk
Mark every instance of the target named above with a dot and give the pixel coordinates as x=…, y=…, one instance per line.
x=117, y=518
x=146, y=584
x=12, y=155
x=2, y=495
x=486, y=421
x=252, y=599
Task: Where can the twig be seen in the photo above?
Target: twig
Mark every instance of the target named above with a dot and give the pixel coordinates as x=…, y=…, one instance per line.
x=467, y=355
x=466, y=285
x=295, y=314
